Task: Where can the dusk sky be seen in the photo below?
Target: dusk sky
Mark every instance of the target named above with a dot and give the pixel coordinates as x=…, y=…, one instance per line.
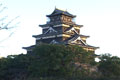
x=101, y=20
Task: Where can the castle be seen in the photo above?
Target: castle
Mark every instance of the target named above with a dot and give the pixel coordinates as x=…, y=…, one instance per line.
x=61, y=29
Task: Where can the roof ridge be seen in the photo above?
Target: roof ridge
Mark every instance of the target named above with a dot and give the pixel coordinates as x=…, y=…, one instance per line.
x=60, y=9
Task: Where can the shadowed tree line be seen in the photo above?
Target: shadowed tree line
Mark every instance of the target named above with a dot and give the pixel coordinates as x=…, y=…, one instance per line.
x=59, y=62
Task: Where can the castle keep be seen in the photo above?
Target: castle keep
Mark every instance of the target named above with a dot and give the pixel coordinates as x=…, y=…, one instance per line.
x=61, y=29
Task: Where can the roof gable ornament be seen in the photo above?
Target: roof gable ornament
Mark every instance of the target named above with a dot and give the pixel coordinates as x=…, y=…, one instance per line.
x=50, y=30
x=72, y=29
x=77, y=38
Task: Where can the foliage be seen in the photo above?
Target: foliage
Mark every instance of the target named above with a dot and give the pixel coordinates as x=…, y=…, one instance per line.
x=57, y=60
x=109, y=65
x=45, y=60
x=14, y=66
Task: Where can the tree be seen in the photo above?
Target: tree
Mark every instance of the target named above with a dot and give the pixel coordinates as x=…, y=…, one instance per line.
x=6, y=24
x=58, y=60
x=46, y=60
x=13, y=66
x=109, y=65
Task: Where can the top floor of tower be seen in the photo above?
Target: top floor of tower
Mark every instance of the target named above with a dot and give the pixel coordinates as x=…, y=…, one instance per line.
x=61, y=16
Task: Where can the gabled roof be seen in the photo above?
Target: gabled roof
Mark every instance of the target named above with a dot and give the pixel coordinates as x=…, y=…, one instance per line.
x=44, y=35
x=50, y=30
x=71, y=29
x=60, y=12
x=75, y=37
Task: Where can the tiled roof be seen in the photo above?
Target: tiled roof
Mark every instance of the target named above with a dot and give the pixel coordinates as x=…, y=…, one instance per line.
x=44, y=35
x=59, y=12
x=84, y=35
x=30, y=47
x=69, y=28
x=93, y=46
x=74, y=37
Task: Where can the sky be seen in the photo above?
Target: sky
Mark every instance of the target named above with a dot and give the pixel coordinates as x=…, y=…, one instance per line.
x=101, y=20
